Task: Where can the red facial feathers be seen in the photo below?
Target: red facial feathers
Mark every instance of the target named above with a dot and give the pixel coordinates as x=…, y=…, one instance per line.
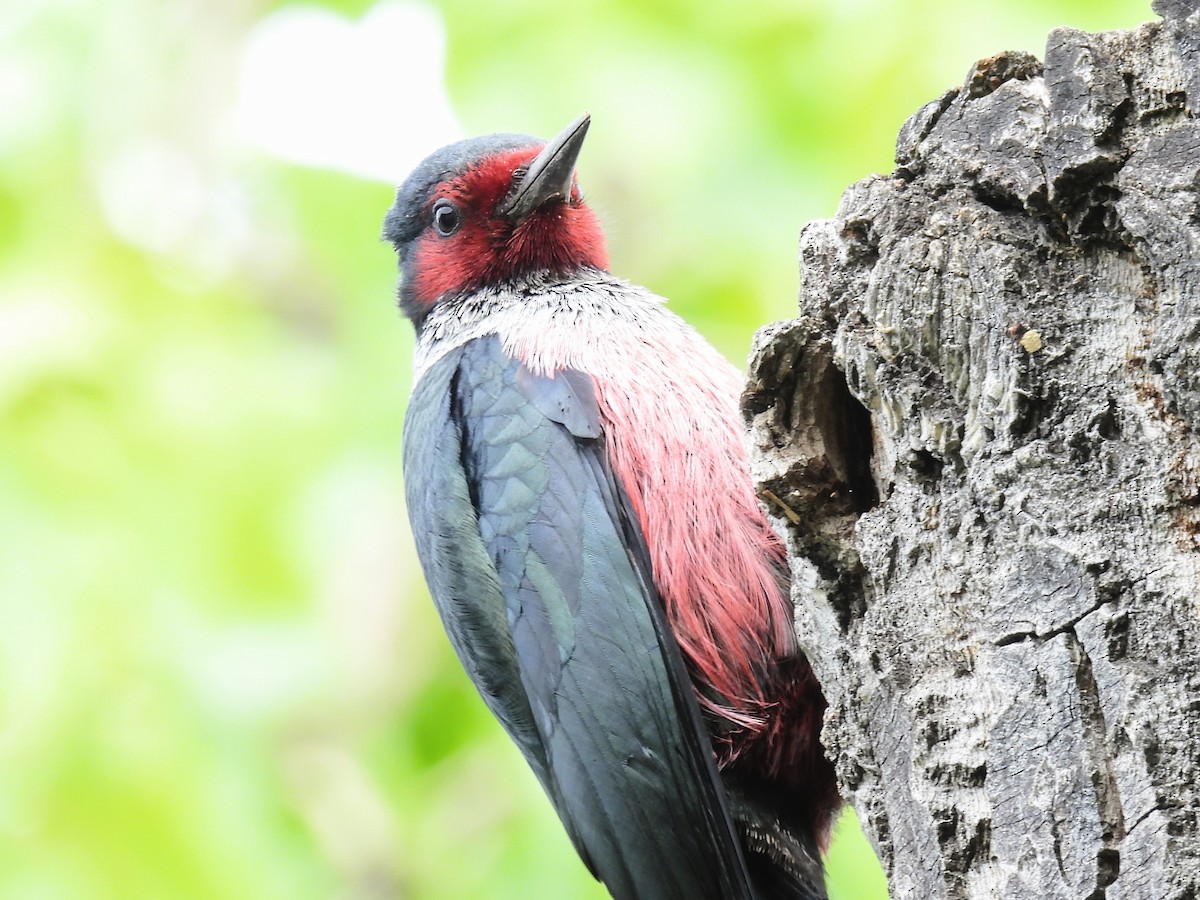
x=558, y=238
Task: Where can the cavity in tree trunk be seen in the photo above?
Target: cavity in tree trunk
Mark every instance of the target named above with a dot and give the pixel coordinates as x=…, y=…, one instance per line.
x=980, y=438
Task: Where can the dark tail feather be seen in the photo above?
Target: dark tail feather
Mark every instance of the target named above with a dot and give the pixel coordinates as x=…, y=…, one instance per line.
x=781, y=851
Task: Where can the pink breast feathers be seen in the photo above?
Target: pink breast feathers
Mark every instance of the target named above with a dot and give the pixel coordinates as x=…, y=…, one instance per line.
x=678, y=451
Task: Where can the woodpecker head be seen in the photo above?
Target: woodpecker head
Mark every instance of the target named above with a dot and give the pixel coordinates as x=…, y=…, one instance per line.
x=488, y=211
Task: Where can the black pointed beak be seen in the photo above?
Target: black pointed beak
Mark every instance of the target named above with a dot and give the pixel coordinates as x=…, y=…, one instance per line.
x=550, y=175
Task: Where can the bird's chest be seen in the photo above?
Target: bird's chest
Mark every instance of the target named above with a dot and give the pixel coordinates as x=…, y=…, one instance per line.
x=668, y=404
x=669, y=400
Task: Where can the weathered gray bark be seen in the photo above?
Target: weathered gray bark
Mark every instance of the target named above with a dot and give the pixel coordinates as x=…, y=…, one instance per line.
x=980, y=437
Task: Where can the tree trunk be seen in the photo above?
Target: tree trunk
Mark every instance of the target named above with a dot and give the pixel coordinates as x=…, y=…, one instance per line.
x=980, y=438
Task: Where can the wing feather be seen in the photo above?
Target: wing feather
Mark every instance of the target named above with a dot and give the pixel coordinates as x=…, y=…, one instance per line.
x=541, y=576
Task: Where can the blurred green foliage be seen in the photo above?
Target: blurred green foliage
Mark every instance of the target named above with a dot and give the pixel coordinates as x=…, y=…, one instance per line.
x=219, y=673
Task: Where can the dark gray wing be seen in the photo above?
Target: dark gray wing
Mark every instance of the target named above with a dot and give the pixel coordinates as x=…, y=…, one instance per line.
x=538, y=570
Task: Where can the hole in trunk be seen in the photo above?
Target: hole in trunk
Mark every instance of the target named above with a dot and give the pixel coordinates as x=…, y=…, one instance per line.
x=845, y=427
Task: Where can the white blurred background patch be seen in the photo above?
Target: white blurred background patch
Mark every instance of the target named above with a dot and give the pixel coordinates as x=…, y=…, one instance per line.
x=365, y=97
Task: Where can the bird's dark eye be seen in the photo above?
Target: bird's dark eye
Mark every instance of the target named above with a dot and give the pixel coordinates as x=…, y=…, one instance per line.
x=446, y=218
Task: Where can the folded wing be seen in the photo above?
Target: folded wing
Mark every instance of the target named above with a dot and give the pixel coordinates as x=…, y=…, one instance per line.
x=541, y=577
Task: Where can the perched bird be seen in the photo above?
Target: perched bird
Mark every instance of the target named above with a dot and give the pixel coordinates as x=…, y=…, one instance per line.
x=579, y=494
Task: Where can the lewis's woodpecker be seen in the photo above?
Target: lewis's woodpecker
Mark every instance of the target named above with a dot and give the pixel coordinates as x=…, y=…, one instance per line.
x=578, y=489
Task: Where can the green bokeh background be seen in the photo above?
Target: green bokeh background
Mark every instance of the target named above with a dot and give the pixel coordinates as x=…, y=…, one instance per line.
x=220, y=676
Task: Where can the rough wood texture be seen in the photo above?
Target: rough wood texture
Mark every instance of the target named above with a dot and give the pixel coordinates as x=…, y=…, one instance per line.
x=980, y=439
